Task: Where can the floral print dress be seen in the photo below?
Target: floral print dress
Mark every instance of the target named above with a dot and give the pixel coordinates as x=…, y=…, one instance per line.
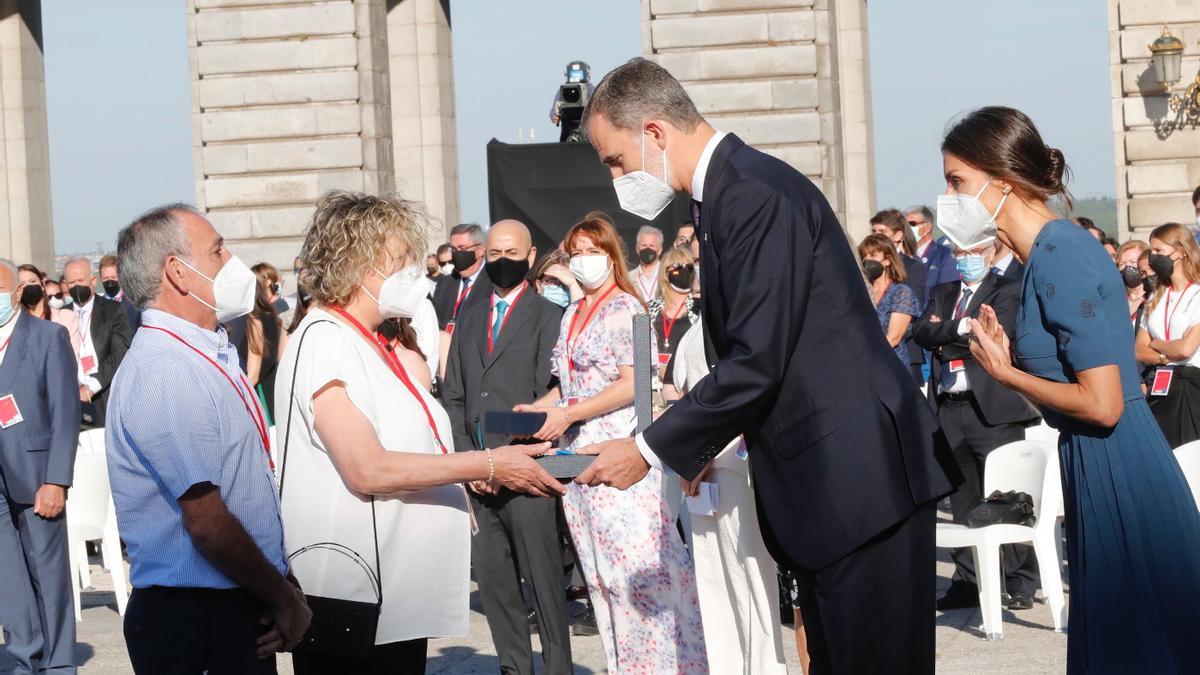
x=638, y=572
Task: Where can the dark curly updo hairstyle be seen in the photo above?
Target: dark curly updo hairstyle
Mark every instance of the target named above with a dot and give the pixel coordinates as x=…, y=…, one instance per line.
x=1005, y=143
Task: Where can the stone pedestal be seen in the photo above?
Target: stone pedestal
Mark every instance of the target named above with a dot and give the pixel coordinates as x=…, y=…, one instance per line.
x=26, y=229
x=1157, y=165
x=290, y=99
x=424, y=134
x=787, y=76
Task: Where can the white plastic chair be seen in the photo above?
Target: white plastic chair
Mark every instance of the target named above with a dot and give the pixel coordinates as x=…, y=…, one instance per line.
x=91, y=517
x=1030, y=467
x=1188, y=456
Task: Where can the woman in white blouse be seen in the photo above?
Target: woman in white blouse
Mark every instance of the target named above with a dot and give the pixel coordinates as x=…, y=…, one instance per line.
x=1169, y=337
x=358, y=436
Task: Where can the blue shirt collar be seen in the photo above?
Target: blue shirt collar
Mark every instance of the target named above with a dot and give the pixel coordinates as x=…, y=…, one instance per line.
x=214, y=344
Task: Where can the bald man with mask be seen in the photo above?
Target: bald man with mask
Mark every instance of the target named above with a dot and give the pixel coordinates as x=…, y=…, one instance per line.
x=500, y=357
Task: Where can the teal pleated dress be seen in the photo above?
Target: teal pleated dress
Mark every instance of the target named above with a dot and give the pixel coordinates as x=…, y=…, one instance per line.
x=1133, y=530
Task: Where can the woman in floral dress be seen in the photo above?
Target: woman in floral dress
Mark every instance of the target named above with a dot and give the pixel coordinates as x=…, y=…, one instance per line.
x=639, y=574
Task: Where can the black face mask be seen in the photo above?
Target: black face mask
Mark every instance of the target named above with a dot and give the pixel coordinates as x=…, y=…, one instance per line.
x=1149, y=284
x=111, y=287
x=647, y=256
x=1131, y=276
x=80, y=294
x=681, y=278
x=462, y=260
x=1162, y=265
x=32, y=295
x=506, y=272
x=873, y=269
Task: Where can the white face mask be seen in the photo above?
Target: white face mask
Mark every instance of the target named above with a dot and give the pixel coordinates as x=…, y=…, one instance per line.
x=591, y=270
x=401, y=294
x=916, y=233
x=643, y=194
x=56, y=303
x=233, y=289
x=965, y=220
x=446, y=269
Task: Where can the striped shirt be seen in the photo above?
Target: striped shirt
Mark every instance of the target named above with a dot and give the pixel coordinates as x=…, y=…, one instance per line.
x=174, y=421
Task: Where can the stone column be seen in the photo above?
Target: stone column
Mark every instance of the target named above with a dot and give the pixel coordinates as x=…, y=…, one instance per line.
x=26, y=228
x=1157, y=166
x=783, y=75
x=424, y=133
x=289, y=99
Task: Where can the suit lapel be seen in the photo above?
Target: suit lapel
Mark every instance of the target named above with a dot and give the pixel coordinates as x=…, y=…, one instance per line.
x=985, y=287
x=709, y=260
x=15, y=355
x=516, y=319
x=95, y=322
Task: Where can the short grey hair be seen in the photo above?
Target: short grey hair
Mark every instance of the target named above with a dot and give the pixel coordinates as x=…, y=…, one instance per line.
x=77, y=260
x=652, y=231
x=473, y=230
x=926, y=214
x=11, y=266
x=144, y=246
x=641, y=90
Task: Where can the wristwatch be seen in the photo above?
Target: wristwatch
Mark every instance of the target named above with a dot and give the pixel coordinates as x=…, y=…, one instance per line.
x=1162, y=359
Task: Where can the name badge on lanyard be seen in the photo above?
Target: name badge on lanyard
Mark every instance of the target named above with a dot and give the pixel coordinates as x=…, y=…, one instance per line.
x=1162, y=382
x=10, y=412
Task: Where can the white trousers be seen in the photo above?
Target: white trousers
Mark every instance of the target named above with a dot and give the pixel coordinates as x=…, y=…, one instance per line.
x=737, y=583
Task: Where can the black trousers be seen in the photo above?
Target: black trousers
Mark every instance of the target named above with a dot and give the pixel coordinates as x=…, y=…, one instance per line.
x=189, y=631
x=971, y=440
x=873, y=610
x=518, y=539
x=394, y=658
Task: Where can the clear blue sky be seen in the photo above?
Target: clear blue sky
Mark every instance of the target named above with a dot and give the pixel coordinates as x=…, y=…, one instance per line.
x=120, y=122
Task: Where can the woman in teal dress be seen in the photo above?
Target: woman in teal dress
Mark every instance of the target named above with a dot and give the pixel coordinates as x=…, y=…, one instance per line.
x=1133, y=530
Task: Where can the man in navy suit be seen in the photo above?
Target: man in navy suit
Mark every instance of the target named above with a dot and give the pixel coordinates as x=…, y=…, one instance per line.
x=39, y=432
x=845, y=453
x=940, y=267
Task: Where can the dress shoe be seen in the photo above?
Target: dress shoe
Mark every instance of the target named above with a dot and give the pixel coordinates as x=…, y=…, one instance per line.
x=576, y=592
x=959, y=596
x=585, y=624
x=1020, y=601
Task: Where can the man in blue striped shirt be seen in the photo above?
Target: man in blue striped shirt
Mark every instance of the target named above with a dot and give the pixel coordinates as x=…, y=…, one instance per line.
x=187, y=447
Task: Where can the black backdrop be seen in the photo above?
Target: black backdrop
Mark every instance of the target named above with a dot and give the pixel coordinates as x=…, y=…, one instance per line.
x=550, y=186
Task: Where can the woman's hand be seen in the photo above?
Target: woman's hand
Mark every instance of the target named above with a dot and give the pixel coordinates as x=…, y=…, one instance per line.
x=989, y=344
x=556, y=423
x=693, y=488
x=516, y=470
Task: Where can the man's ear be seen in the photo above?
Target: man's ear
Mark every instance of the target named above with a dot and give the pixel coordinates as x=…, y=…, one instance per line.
x=532, y=255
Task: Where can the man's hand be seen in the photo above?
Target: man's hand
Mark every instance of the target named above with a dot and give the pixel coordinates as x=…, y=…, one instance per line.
x=291, y=617
x=49, y=501
x=933, y=318
x=272, y=639
x=618, y=464
x=85, y=394
x=693, y=488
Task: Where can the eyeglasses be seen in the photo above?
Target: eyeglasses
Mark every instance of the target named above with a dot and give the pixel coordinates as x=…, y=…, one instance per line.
x=916, y=223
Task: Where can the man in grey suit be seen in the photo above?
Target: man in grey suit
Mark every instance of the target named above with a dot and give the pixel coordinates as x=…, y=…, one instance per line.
x=500, y=357
x=39, y=432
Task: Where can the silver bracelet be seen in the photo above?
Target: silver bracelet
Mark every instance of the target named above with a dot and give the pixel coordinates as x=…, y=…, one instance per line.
x=491, y=466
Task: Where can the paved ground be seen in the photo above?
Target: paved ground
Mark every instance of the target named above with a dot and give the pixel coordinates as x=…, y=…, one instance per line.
x=1030, y=644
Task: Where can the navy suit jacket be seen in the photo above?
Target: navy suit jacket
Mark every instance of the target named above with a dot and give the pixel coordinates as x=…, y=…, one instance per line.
x=842, y=443
x=940, y=268
x=39, y=371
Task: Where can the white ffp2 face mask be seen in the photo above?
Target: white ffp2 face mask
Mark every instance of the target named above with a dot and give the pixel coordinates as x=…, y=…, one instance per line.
x=966, y=221
x=643, y=194
x=401, y=294
x=233, y=289
x=591, y=270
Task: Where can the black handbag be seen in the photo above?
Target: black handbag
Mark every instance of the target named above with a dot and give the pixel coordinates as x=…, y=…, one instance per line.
x=339, y=628
x=1003, y=508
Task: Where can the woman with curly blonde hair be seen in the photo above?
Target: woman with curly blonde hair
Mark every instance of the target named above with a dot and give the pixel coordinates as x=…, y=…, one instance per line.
x=366, y=463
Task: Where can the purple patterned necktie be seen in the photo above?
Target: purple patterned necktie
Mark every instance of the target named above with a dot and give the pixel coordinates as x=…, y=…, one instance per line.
x=695, y=208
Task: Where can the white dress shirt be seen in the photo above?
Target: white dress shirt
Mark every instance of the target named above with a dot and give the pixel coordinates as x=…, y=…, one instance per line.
x=961, y=383
x=86, y=347
x=6, y=332
x=1002, y=264
x=697, y=194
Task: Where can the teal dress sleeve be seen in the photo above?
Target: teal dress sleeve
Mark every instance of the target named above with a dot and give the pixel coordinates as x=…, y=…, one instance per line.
x=1069, y=284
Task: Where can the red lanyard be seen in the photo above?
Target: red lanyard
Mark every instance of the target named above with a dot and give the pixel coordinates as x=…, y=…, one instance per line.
x=648, y=293
x=256, y=414
x=393, y=362
x=4, y=346
x=668, y=325
x=1168, y=314
x=507, y=314
x=586, y=320
x=461, y=296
